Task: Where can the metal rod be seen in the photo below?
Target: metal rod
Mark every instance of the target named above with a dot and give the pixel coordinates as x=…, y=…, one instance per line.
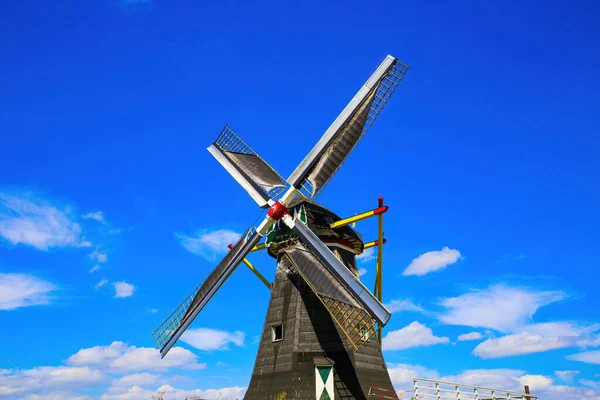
x=258, y=274
x=359, y=217
x=373, y=244
x=261, y=246
x=379, y=265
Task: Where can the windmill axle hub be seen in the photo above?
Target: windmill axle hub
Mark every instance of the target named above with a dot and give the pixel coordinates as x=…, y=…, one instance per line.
x=277, y=211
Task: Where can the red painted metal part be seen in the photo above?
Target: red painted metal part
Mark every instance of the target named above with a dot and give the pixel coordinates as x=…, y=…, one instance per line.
x=277, y=211
x=380, y=210
x=230, y=246
x=377, y=241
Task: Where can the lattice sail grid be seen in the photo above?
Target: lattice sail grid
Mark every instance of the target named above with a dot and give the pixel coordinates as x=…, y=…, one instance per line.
x=383, y=92
x=354, y=321
x=202, y=294
x=164, y=332
x=258, y=169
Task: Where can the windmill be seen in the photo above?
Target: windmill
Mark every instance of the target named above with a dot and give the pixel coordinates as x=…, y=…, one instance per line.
x=320, y=314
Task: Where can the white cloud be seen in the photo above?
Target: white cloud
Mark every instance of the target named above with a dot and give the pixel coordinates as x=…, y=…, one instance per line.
x=505, y=379
x=498, y=307
x=590, y=383
x=101, y=283
x=94, y=268
x=98, y=256
x=123, y=289
x=362, y=271
x=212, y=339
x=96, y=216
x=560, y=328
x=535, y=338
x=520, y=343
x=120, y=357
x=402, y=375
x=21, y=290
x=118, y=370
x=535, y=382
x=412, y=335
x=590, y=357
x=28, y=220
x=141, y=379
x=39, y=382
x=137, y=392
x=469, y=336
x=566, y=376
x=432, y=261
x=562, y=392
x=403, y=305
x=209, y=244
x=589, y=341
x=367, y=255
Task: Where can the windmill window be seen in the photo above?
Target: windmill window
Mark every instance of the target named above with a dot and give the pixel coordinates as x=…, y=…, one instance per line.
x=277, y=333
x=364, y=333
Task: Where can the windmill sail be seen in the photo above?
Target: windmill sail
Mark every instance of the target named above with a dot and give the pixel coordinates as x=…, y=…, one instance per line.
x=349, y=127
x=253, y=173
x=342, y=145
x=169, y=331
x=356, y=323
x=335, y=267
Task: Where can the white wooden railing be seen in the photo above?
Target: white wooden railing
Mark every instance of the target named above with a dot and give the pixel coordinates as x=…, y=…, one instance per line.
x=430, y=389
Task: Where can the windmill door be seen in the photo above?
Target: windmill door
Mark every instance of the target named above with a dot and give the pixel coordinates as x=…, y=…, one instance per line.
x=324, y=382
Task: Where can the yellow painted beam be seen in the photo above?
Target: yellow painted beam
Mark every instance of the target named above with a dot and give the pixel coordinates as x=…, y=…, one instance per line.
x=261, y=246
x=373, y=244
x=379, y=265
x=358, y=217
x=258, y=274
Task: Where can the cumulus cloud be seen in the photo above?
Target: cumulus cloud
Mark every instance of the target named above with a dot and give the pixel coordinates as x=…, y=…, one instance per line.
x=413, y=335
x=45, y=380
x=123, y=289
x=98, y=256
x=403, y=305
x=499, y=307
x=169, y=392
x=94, y=268
x=432, y=261
x=212, y=339
x=28, y=220
x=520, y=343
x=469, y=336
x=119, y=370
x=367, y=255
x=566, y=376
x=402, y=374
x=208, y=244
x=506, y=379
x=535, y=382
x=21, y=290
x=96, y=216
x=101, y=283
x=120, y=357
x=590, y=357
x=535, y=338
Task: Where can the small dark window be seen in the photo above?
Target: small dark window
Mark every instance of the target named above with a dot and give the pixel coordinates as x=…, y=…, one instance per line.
x=276, y=333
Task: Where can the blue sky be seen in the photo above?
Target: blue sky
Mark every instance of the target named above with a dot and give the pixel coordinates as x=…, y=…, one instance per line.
x=487, y=156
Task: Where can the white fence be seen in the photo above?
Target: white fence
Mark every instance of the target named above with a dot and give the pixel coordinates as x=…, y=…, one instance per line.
x=428, y=389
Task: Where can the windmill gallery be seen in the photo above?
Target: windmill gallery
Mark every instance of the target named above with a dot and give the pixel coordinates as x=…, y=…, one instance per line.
x=321, y=337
